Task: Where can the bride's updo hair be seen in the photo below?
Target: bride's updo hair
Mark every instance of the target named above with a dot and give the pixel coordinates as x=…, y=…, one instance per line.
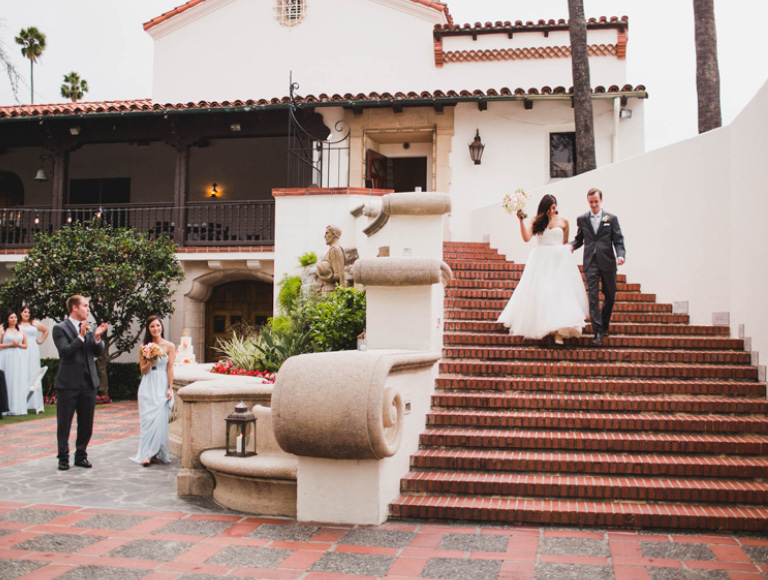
x=542, y=219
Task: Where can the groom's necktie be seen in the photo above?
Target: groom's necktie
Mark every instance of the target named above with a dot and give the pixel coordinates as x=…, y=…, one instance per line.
x=595, y=219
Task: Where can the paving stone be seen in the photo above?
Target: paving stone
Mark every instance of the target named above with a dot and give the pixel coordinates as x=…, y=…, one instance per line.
x=10, y=569
x=205, y=577
x=161, y=550
x=574, y=547
x=758, y=554
x=285, y=533
x=362, y=564
x=110, y=522
x=249, y=556
x=195, y=527
x=30, y=516
x=102, y=573
x=678, y=574
x=453, y=569
x=676, y=551
x=58, y=543
x=381, y=538
x=550, y=571
x=474, y=543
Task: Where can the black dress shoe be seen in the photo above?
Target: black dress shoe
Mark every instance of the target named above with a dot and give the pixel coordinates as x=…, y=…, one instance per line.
x=598, y=338
x=63, y=465
x=83, y=463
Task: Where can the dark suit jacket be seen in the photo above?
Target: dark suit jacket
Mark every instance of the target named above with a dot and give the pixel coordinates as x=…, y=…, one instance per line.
x=599, y=246
x=75, y=355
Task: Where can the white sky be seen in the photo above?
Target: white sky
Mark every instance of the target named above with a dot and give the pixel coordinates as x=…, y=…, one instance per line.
x=103, y=40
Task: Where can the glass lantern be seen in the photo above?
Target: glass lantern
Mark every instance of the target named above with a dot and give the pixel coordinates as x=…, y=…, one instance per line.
x=241, y=432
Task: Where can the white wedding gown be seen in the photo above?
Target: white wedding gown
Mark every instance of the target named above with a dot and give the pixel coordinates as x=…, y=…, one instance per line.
x=550, y=295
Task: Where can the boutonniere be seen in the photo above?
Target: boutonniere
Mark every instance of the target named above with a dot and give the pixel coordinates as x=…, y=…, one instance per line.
x=606, y=219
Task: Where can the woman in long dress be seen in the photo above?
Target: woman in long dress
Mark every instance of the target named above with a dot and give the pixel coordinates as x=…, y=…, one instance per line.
x=155, y=396
x=31, y=327
x=14, y=364
x=550, y=297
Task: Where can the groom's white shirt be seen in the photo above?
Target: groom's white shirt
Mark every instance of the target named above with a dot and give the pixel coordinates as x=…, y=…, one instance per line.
x=594, y=219
x=76, y=324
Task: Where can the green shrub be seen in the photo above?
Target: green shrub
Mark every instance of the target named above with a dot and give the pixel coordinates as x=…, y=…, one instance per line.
x=240, y=348
x=275, y=346
x=124, y=379
x=289, y=295
x=308, y=259
x=336, y=320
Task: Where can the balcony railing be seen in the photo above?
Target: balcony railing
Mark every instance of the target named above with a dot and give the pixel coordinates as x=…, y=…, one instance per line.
x=236, y=223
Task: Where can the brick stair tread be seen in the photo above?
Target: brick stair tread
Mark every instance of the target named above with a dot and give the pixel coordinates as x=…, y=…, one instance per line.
x=490, y=325
x=705, y=342
x=580, y=513
x=596, y=421
x=588, y=441
x=601, y=355
x=653, y=489
x=617, y=403
x=602, y=385
x=598, y=369
x=499, y=303
x=615, y=464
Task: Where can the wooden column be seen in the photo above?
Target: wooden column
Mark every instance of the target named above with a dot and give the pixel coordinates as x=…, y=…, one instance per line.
x=181, y=193
x=60, y=186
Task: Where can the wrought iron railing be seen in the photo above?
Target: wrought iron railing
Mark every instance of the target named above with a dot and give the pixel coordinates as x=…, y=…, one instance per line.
x=236, y=223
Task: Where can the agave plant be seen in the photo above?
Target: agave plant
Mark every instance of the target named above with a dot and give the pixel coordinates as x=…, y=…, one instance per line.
x=241, y=350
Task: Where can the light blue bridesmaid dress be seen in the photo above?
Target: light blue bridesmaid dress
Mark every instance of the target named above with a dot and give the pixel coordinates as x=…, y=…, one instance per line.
x=14, y=363
x=33, y=358
x=154, y=413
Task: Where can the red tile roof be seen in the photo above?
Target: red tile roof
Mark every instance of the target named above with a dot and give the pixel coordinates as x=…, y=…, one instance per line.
x=439, y=6
x=384, y=98
x=622, y=23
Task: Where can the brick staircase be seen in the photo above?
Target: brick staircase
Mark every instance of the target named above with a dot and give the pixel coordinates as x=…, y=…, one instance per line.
x=662, y=426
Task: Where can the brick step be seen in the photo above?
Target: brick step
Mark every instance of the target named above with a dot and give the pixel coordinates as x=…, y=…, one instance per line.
x=505, y=275
x=507, y=284
x=479, y=265
x=613, y=341
x=583, y=421
x=522, y=511
x=609, y=464
x=605, y=442
x=578, y=370
x=603, y=354
x=489, y=304
x=617, y=317
x=601, y=385
x=505, y=292
x=598, y=403
x=487, y=326
x=590, y=487
x=474, y=255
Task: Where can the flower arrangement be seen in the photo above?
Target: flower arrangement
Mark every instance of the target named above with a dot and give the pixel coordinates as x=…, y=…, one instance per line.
x=515, y=202
x=151, y=351
x=225, y=367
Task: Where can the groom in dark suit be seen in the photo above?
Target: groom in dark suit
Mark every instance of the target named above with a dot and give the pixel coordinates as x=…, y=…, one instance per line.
x=599, y=232
x=77, y=379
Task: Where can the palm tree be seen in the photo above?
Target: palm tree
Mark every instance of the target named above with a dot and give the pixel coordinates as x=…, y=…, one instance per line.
x=707, y=73
x=32, y=43
x=74, y=87
x=582, y=90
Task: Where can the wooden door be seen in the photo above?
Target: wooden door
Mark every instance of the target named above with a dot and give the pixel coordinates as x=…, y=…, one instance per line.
x=376, y=169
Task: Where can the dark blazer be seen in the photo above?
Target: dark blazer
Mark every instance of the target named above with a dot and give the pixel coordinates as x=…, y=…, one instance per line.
x=599, y=246
x=75, y=355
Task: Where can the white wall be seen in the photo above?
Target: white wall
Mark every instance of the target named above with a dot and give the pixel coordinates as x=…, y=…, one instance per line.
x=692, y=215
x=236, y=49
x=517, y=150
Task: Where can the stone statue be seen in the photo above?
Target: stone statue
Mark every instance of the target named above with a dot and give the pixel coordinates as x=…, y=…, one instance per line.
x=330, y=270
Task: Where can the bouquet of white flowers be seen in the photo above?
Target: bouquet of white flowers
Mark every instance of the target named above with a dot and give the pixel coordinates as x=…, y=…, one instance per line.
x=515, y=202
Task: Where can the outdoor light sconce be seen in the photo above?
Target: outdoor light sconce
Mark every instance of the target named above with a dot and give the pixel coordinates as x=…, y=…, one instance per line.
x=74, y=130
x=241, y=432
x=625, y=113
x=476, y=148
x=215, y=192
x=234, y=127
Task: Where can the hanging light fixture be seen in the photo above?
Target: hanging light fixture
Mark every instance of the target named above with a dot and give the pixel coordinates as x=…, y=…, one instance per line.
x=215, y=191
x=476, y=148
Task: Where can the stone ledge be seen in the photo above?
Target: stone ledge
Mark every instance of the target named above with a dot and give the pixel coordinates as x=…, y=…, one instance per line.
x=262, y=466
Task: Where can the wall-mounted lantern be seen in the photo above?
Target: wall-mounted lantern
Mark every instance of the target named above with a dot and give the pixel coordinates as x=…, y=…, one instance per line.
x=476, y=148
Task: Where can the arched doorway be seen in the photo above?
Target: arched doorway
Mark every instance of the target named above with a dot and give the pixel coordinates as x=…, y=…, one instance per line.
x=11, y=189
x=240, y=302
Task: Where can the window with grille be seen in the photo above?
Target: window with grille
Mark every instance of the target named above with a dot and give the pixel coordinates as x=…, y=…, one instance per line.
x=290, y=12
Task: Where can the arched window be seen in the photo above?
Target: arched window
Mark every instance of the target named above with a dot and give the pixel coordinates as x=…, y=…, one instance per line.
x=290, y=12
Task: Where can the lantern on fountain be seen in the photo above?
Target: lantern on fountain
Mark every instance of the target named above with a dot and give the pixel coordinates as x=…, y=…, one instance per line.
x=241, y=432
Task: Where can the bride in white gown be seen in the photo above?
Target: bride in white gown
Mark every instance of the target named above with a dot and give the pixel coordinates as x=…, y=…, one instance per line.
x=550, y=297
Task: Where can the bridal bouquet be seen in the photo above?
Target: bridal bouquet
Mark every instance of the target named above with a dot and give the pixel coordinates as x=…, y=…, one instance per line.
x=515, y=202
x=151, y=351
